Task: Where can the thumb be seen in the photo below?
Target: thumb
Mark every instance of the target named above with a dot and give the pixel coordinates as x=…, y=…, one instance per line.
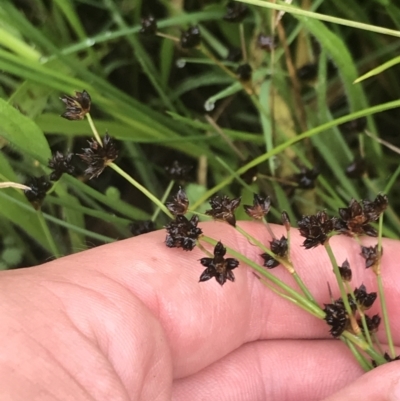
x=381, y=384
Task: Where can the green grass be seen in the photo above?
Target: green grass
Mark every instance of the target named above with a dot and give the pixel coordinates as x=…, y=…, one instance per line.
x=156, y=111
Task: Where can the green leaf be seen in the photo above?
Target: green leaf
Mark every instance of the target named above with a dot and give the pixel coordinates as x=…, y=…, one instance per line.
x=23, y=132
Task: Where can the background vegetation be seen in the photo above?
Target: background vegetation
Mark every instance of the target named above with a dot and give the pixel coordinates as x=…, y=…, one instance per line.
x=164, y=103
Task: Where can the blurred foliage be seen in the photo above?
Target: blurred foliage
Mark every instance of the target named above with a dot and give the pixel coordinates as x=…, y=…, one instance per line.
x=164, y=103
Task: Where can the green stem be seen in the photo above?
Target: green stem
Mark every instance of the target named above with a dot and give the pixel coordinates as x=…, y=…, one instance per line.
x=339, y=280
x=285, y=262
x=94, y=129
x=381, y=293
x=49, y=237
x=362, y=316
x=385, y=317
x=360, y=343
x=141, y=188
x=364, y=363
x=163, y=199
x=309, y=306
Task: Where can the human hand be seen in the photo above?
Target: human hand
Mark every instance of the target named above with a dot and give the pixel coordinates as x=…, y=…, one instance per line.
x=130, y=321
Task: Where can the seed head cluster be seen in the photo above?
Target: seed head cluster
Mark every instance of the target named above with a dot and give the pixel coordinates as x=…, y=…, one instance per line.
x=97, y=157
x=218, y=266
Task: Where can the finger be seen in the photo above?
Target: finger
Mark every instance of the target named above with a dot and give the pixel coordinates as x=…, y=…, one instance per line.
x=62, y=338
x=284, y=370
x=381, y=384
x=204, y=321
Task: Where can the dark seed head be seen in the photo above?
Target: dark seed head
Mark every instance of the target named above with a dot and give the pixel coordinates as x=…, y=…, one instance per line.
x=142, y=227
x=372, y=323
x=345, y=271
x=97, y=157
x=183, y=233
x=357, y=168
x=307, y=72
x=315, y=229
x=280, y=248
x=180, y=203
x=149, y=26
x=191, y=37
x=236, y=12
x=244, y=72
x=76, y=106
x=306, y=178
x=218, y=266
x=373, y=209
x=267, y=43
x=371, y=255
x=364, y=300
x=38, y=189
x=61, y=164
x=234, y=55
x=337, y=318
x=223, y=209
x=178, y=172
x=260, y=207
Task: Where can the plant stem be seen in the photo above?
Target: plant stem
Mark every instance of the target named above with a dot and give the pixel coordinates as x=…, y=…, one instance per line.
x=381, y=292
x=94, y=129
x=49, y=237
x=365, y=364
x=163, y=199
x=336, y=271
x=311, y=307
x=141, y=188
x=285, y=262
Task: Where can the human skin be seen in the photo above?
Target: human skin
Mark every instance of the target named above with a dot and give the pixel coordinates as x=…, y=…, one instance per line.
x=130, y=321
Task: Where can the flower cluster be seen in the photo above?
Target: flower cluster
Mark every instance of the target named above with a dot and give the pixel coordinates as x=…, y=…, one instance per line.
x=218, y=266
x=223, y=209
x=306, y=178
x=180, y=203
x=142, y=227
x=260, y=207
x=178, y=172
x=183, y=233
x=356, y=218
x=236, y=12
x=337, y=317
x=315, y=229
x=280, y=248
x=371, y=255
x=61, y=164
x=191, y=37
x=97, y=157
x=345, y=271
x=149, y=26
x=77, y=106
x=38, y=190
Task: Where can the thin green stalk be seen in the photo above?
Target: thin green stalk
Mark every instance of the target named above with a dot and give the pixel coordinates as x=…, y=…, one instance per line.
x=163, y=200
x=336, y=271
x=94, y=129
x=362, y=315
x=381, y=293
x=285, y=262
x=290, y=142
x=328, y=18
x=141, y=188
x=364, y=363
x=49, y=237
x=360, y=343
x=309, y=306
x=283, y=295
